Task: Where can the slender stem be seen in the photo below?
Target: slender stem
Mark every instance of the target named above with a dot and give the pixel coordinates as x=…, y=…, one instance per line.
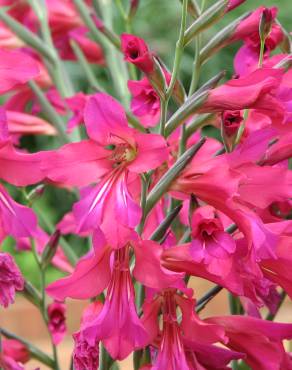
x=201, y=303
x=50, y=112
x=197, y=66
x=178, y=50
x=67, y=249
x=261, y=56
x=163, y=115
x=93, y=82
x=183, y=140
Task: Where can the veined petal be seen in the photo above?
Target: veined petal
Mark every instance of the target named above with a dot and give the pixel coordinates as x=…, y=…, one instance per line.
x=17, y=220
x=151, y=152
x=104, y=117
x=76, y=164
x=91, y=276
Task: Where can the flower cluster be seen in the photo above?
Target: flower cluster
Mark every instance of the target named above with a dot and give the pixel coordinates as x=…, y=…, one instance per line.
x=160, y=202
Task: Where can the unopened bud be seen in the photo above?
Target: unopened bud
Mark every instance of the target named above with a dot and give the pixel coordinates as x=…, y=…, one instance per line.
x=36, y=193
x=50, y=249
x=133, y=8
x=230, y=124
x=266, y=22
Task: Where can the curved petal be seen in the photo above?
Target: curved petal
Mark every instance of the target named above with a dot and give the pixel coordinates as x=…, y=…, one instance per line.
x=91, y=275
x=147, y=257
x=76, y=164
x=17, y=220
x=16, y=68
x=103, y=117
x=19, y=168
x=151, y=152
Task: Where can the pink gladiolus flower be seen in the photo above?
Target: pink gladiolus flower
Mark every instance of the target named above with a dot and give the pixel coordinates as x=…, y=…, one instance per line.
x=260, y=340
x=231, y=121
x=248, y=28
x=145, y=103
x=114, y=156
x=94, y=273
x=11, y=279
x=57, y=321
x=254, y=91
x=211, y=245
x=136, y=52
x=184, y=344
x=16, y=68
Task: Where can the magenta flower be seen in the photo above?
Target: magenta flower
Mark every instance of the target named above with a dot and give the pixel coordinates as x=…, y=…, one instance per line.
x=185, y=344
x=117, y=325
x=57, y=321
x=11, y=279
x=253, y=91
x=211, y=245
x=113, y=156
x=145, y=103
x=136, y=52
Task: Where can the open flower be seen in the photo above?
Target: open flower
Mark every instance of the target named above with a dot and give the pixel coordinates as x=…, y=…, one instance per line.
x=117, y=324
x=113, y=157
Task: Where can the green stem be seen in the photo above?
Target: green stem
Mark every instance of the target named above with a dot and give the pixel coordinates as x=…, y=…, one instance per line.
x=50, y=112
x=261, y=56
x=163, y=115
x=178, y=51
x=197, y=66
x=72, y=258
x=233, y=304
x=92, y=80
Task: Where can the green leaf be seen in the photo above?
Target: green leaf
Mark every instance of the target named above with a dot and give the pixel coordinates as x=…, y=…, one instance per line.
x=190, y=106
x=221, y=39
x=205, y=20
x=161, y=230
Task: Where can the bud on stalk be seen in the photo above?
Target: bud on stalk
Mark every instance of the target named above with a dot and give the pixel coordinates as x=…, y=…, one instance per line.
x=265, y=24
x=230, y=124
x=50, y=249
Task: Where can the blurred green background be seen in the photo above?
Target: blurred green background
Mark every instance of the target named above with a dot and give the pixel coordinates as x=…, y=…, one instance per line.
x=157, y=21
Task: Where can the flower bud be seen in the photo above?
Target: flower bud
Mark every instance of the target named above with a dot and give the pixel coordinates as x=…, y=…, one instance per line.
x=133, y=8
x=230, y=124
x=136, y=52
x=36, y=193
x=265, y=24
x=50, y=249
